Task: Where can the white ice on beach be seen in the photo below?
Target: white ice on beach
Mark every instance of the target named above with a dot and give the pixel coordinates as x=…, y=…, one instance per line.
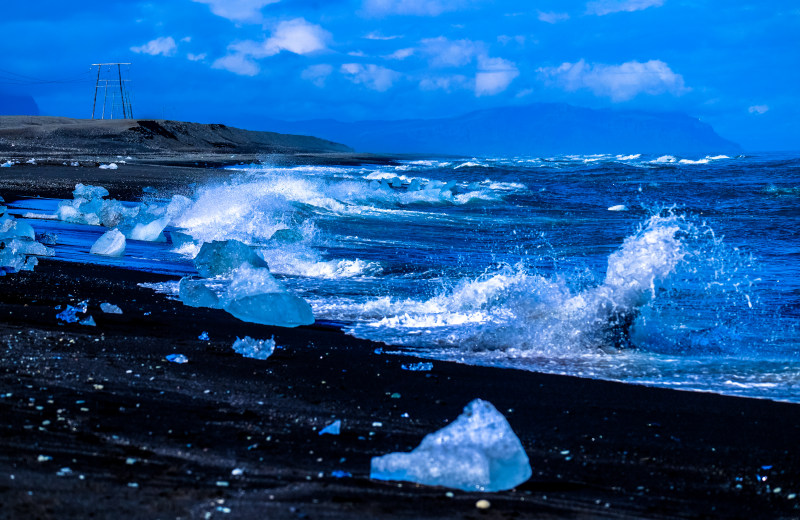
x=254, y=348
x=223, y=257
x=111, y=166
x=618, y=207
x=477, y=452
x=111, y=243
x=110, y=308
x=149, y=231
x=18, y=246
x=333, y=428
x=195, y=293
x=256, y=296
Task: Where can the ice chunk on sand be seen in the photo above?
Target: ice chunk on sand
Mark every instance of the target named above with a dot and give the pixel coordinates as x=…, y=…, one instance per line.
x=255, y=296
x=111, y=166
x=110, y=308
x=254, y=348
x=618, y=207
x=223, y=256
x=333, y=428
x=111, y=243
x=418, y=367
x=177, y=358
x=477, y=452
x=13, y=228
x=149, y=231
x=89, y=192
x=195, y=293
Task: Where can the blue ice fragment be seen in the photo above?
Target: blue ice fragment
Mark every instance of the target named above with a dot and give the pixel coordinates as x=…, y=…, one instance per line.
x=88, y=321
x=378, y=351
x=418, y=367
x=766, y=468
x=477, y=452
x=203, y=336
x=68, y=315
x=340, y=474
x=177, y=358
x=333, y=428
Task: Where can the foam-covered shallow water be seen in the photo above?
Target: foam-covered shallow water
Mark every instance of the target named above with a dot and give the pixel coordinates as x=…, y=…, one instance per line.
x=665, y=270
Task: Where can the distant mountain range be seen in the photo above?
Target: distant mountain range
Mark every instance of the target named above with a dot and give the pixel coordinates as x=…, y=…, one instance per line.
x=538, y=129
x=17, y=105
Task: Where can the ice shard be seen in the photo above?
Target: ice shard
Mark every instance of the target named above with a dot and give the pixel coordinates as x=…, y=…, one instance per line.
x=257, y=297
x=477, y=452
x=222, y=257
x=111, y=243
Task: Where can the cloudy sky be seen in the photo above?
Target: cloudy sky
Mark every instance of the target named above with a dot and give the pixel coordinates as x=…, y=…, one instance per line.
x=733, y=64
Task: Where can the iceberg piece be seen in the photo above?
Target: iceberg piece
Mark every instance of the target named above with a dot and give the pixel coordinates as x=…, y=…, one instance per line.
x=254, y=348
x=113, y=212
x=618, y=207
x=149, y=231
x=477, y=452
x=69, y=314
x=88, y=321
x=28, y=247
x=110, y=308
x=111, y=243
x=13, y=228
x=203, y=336
x=418, y=367
x=177, y=358
x=255, y=296
x=195, y=293
x=224, y=256
x=88, y=192
x=333, y=428
x=111, y=166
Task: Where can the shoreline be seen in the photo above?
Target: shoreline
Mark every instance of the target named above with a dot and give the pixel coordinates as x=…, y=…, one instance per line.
x=597, y=448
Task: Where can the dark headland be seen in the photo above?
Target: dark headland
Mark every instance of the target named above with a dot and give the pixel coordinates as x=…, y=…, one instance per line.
x=97, y=424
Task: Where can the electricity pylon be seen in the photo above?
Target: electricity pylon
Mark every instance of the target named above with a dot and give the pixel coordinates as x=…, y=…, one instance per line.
x=110, y=80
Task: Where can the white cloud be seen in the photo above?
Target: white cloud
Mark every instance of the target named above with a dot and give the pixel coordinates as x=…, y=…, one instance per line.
x=448, y=53
x=238, y=10
x=494, y=75
x=401, y=54
x=618, y=82
x=297, y=36
x=414, y=7
x=603, y=7
x=375, y=35
x=551, y=17
x=446, y=83
x=758, y=109
x=196, y=57
x=371, y=76
x=165, y=46
x=317, y=74
x=238, y=64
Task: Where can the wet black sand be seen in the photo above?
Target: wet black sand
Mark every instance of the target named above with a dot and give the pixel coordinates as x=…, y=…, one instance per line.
x=145, y=438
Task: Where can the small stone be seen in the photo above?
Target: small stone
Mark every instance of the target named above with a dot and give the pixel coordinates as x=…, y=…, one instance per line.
x=483, y=504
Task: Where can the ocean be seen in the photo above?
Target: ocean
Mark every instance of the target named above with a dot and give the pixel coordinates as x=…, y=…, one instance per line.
x=669, y=271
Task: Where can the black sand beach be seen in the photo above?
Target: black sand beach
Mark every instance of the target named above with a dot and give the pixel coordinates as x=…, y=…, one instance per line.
x=145, y=438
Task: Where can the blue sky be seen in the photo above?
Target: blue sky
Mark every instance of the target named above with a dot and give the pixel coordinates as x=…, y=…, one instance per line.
x=735, y=65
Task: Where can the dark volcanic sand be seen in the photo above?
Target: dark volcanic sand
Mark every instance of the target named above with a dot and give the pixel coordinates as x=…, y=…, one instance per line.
x=146, y=438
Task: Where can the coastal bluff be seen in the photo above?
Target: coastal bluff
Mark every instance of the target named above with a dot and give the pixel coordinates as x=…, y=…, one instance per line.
x=21, y=135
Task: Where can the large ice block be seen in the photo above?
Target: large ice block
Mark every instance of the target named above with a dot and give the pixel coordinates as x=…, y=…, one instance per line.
x=255, y=296
x=195, y=293
x=111, y=243
x=221, y=257
x=477, y=452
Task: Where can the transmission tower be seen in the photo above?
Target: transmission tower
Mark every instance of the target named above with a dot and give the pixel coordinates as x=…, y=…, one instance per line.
x=114, y=91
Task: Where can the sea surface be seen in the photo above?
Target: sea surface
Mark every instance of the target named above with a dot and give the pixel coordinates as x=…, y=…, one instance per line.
x=672, y=271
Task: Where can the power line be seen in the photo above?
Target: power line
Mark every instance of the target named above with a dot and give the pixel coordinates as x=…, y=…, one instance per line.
x=110, y=80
